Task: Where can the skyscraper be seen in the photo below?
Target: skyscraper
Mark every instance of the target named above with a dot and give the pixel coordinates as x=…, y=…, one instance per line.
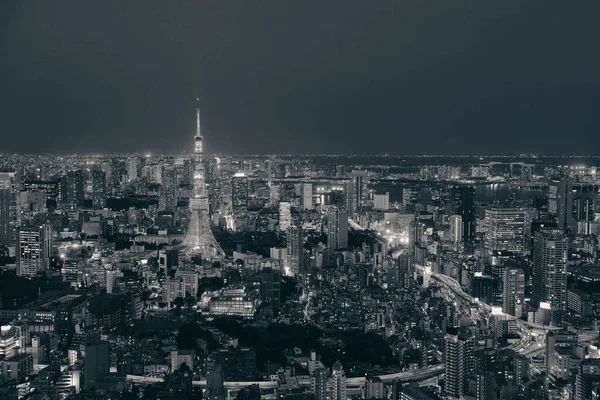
x=73, y=190
x=337, y=228
x=34, y=248
x=513, y=291
x=550, y=268
x=96, y=364
x=98, y=188
x=168, y=196
x=305, y=191
x=295, y=250
x=456, y=230
x=462, y=202
x=355, y=190
x=505, y=229
x=339, y=381
x=285, y=216
x=239, y=192
x=270, y=287
x=318, y=382
x=459, y=363
x=9, y=217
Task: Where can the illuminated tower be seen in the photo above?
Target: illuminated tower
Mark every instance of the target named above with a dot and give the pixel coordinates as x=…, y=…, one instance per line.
x=199, y=237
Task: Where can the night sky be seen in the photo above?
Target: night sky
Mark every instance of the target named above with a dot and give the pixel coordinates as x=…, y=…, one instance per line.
x=285, y=76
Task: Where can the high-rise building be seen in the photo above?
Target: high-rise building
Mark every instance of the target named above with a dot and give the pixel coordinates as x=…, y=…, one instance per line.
x=459, y=363
x=462, y=202
x=505, y=229
x=239, y=192
x=96, y=364
x=73, y=190
x=34, y=247
x=306, y=194
x=318, y=382
x=98, y=188
x=339, y=381
x=513, y=291
x=337, y=228
x=9, y=217
x=355, y=191
x=132, y=168
x=168, y=196
x=550, y=268
x=270, y=287
x=295, y=250
x=587, y=381
x=381, y=201
x=285, y=216
x=456, y=230
x=572, y=204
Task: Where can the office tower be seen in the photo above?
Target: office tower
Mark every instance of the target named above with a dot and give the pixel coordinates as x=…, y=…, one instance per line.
x=587, y=381
x=168, y=196
x=505, y=228
x=456, y=230
x=274, y=195
x=285, y=216
x=98, y=188
x=339, y=381
x=239, y=192
x=550, y=268
x=337, y=228
x=9, y=216
x=350, y=197
x=132, y=168
x=95, y=364
x=295, y=250
x=462, y=202
x=34, y=247
x=513, y=291
x=381, y=201
x=318, y=383
x=572, y=204
x=73, y=190
x=305, y=191
x=459, y=363
x=199, y=237
x=270, y=287
x=405, y=273
x=356, y=191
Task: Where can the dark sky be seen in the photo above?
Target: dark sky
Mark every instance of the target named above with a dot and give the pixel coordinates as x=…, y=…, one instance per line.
x=286, y=76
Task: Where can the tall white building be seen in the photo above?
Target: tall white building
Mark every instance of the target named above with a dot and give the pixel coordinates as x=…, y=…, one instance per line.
x=285, y=215
x=339, y=381
x=456, y=229
x=132, y=168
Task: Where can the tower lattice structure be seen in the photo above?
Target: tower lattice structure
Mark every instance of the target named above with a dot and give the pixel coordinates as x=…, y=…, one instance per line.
x=199, y=237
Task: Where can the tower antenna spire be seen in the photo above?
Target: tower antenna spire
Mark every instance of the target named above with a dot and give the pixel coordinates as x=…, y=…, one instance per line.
x=197, y=117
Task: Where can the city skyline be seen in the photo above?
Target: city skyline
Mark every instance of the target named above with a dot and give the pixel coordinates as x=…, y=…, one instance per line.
x=413, y=78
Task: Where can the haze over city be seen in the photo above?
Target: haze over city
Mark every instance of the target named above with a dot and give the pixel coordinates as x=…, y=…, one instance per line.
x=273, y=77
